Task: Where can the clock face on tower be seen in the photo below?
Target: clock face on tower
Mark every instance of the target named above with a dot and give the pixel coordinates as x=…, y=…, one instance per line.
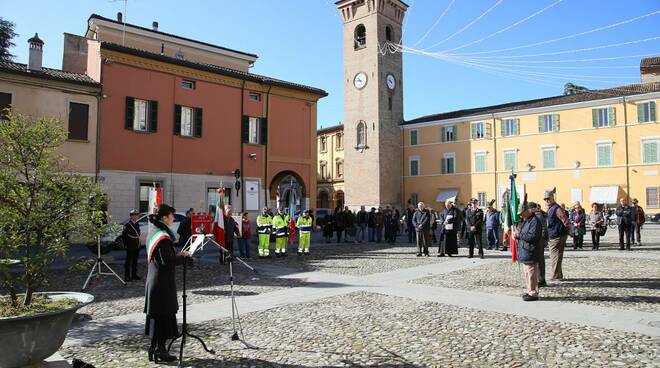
x=360, y=80
x=391, y=82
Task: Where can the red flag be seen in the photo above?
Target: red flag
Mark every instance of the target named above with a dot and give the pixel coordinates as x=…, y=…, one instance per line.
x=292, y=230
x=219, y=223
x=514, y=249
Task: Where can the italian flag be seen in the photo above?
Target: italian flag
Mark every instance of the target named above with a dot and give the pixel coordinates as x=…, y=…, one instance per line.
x=511, y=218
x=219, y=222
x=153, y=241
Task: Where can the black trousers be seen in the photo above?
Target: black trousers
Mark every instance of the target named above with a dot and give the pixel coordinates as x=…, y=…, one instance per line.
x=131, y=262
x=595, y=239
x=339, y=232
x=624, y=230
x=474, y=238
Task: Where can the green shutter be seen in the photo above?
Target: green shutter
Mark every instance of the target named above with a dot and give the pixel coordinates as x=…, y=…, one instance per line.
x=650, y=152
x=450, y=166
x=541, y=125
x=443, y=166
x=503, y=128
x=594, y=117
x=263, y=130
x=604, y=155
x=198, y=122
x=640, y=113
x=517, y=126
x=555, y=122
x=130, y=112
x=548, y=159
x=245, y=129
x=611, y=116
x=443, y=134
x=487, y=130
x=473, y=131
x=153, y=116
x=652, y=111
x=177, y=119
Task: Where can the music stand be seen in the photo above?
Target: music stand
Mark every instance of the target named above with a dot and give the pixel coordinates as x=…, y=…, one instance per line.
x=192, y=247
x=96, y=268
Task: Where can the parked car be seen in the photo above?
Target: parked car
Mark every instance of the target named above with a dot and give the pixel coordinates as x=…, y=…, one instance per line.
x=654, y=218
x=321, y=215
x=143, y=222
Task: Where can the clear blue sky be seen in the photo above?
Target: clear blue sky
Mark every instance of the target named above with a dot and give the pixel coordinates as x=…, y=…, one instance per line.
x=300, y=41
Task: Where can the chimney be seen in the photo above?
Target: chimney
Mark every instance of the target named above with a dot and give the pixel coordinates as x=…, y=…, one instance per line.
x=36, y=52
x=154, y=26
x=120, y=17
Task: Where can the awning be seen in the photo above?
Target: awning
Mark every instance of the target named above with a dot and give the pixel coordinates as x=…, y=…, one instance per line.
x=444, y=195
x=604, y=194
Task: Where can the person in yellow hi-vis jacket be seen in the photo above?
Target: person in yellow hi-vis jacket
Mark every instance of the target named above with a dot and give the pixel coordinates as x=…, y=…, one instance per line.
x=304, y=225
x=264, y=228
x=280, y=225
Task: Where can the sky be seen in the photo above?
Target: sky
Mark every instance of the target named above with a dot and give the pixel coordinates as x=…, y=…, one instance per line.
x=301, y=41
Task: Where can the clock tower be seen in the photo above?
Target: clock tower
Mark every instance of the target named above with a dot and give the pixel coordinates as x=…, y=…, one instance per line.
x=373, y=101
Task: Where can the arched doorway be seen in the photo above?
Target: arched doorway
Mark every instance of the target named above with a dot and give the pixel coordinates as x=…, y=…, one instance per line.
x=323, y=199
x=285, y=187
x=339, y=199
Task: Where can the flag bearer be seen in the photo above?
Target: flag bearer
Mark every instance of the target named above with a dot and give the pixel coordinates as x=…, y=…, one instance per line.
x=264, y=226
x=280, y=222
x=304, y=225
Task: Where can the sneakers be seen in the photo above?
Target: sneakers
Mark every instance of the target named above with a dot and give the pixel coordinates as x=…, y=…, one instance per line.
x=529, y=298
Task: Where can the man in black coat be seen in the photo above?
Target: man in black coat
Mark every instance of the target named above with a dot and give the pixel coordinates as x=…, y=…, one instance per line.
x=474, y=220
x=624, y=218
x=529, y=236
x=422, y=224
x=231, y=229
x=450, y=226
x=185, y=228
x=131, y=238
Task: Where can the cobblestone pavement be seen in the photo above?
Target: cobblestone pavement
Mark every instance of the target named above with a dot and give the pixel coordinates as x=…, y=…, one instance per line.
x=604, y=281
x=366, y=329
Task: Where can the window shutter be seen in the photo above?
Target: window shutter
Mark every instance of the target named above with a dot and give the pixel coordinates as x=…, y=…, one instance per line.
x=503, y=128
x=130, y=111
x=198, y=122
x=541, y=121
x=652, y=111
x=489, y=130
x=443, y=134
x=611, y=116
x=594, y=118
x=263, y=127
x=650, y=152
x=177, y=119
x=555, y=122
x=640, y=112
x=517, y=127
x=153, y=116
x=443, y=166
x=473, y=131
x=245, y=129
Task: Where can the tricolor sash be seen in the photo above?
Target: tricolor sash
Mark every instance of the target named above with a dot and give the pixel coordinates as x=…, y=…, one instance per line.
x=153, y=241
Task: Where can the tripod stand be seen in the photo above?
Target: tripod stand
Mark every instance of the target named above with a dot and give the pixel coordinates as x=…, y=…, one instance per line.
x=235, y=316
x=96, y=268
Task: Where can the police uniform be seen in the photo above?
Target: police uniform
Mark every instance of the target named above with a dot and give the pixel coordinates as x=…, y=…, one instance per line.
x=131, y=238
x=280, y=222
x=264, y=226
x=304, y=225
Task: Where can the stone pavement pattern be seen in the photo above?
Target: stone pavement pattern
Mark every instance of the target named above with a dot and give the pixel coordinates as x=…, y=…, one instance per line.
x=379, y=305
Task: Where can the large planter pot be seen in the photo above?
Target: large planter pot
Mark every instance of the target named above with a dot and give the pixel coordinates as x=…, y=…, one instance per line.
x=31, y=339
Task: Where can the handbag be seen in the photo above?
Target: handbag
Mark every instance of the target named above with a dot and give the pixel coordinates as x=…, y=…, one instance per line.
x=602, y=230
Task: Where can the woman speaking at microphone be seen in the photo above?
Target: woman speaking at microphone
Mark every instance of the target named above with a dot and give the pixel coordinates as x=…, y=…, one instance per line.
x=161, y=303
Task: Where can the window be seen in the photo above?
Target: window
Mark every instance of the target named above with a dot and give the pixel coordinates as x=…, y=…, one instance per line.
x=481, y=197
x=549, y=157
x=5, y=103
x=188, y=84
x=448, y=164
x=548, y=123
x=340, y=141
x=413, y=137
x=212, y=197
x=651, y=151
x=510, y=127
x=141, y=115
x=645, y=112
x=413, y=166
x=78, y=121
x=414, y=199
x=340, y=169
x=254, y=130
x=510, y=160
x=478, y=130
x=603, y=117
x=145, y=186
x=324, y=144
x=324, y=170
x=448, y=134
x=362, y=135
x=360, y=37
x=187, y=121
x=480, y=162
x=389, y=33
x=253, y=96
x=604, y=154
x=653, y=197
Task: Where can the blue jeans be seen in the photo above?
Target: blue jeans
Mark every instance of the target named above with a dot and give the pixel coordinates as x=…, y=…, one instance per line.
x=360, y=232
x=493, y=238
x=243, y=248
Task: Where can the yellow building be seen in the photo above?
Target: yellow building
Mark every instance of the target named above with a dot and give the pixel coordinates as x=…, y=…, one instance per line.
x=330, y=169
x=593, y=146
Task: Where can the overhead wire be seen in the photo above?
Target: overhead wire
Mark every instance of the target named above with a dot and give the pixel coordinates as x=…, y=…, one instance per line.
x=437, y=21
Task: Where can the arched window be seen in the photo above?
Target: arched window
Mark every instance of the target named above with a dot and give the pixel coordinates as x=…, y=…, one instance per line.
x=389, y=33
x=361, y=135
x=360, y=37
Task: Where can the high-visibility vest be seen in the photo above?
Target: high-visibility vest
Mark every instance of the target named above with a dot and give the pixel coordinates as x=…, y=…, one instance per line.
x=280, y=224
x=264, y=224
x=304, y=224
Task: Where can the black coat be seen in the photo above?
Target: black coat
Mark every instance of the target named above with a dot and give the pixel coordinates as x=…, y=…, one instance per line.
x=184, y=231
x=529, y=240
x=131, y=235
x=451, y=243
x=160, y=288
x=422, y=220
x=474, y=217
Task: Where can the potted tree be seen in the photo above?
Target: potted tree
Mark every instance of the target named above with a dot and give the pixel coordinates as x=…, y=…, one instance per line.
x=42, y=204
